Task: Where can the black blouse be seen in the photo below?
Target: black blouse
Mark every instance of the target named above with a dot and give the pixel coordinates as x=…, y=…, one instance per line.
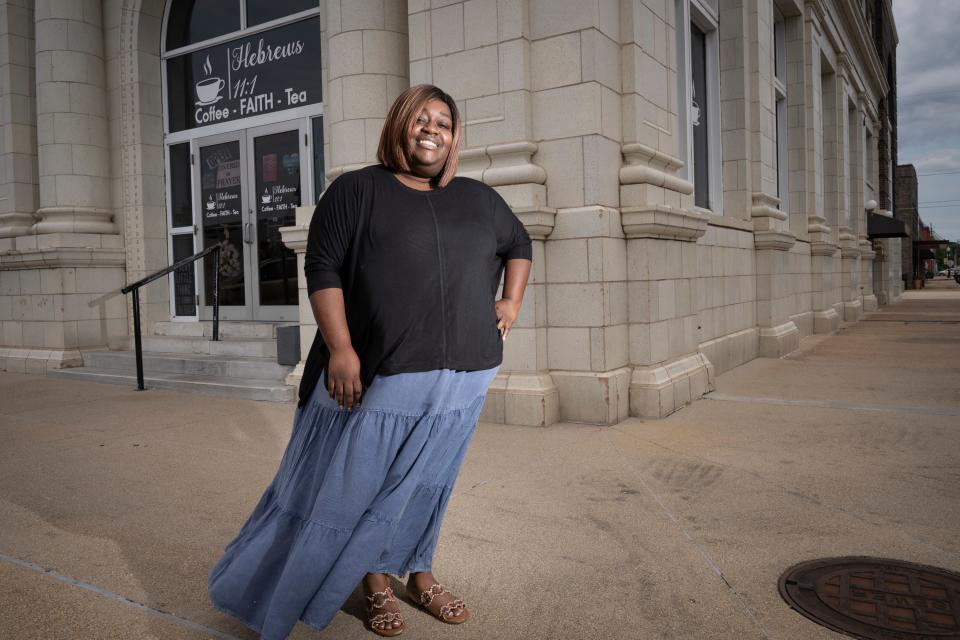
x=419, y=272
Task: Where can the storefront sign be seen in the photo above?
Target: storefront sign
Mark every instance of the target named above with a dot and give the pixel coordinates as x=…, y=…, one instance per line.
x=270, y=71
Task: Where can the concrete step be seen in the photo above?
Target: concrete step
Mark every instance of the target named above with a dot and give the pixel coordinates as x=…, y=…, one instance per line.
x=189, y=363
x=246, y=389
x=249, y=347
x=228, y=329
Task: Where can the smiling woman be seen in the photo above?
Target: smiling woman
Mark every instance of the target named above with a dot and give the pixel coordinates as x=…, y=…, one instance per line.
x=403, y=265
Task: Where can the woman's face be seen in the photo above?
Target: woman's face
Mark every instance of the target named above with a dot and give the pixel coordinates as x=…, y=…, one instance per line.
x=429, y=139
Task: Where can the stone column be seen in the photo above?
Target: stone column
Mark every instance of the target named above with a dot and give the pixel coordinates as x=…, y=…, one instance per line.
x=479, y=52
x=772, y=238
x=367, y=69
x=823, y=247
x=67, y=273
x=866, y=116
x=18, y=184
x=575, y=83
x=74, y=158
x=851, y=196
x=667, y=369
x=295, y=238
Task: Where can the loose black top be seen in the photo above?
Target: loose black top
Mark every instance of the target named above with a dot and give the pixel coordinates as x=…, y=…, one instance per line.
x=419, y=272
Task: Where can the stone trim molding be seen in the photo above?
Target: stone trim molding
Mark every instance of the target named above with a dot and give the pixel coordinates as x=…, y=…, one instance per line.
x=510, y=167
x=62, y=257
x=74, y=220
x=659, y=390
x=511, y=164
x=778, y=341
x=38, y=361
x=822, y=248
x=767, y=233
x=528, y=398
x=661, y=221
x=295, y=237
x=849, y=247
x=645, y=165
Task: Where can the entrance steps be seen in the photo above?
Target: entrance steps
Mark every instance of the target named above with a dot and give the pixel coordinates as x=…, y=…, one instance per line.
x=242, y=364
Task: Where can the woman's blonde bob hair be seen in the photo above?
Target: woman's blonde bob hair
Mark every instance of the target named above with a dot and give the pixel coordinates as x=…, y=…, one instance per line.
x=392, y=151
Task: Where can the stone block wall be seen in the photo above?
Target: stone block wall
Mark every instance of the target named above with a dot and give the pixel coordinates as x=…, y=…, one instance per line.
x=725, y=296
x=637, y=297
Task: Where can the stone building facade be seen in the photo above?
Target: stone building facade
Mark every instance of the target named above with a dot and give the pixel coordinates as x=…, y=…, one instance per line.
x=693, y=172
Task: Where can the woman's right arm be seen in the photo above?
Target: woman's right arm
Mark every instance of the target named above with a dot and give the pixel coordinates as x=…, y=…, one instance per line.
x=343, y=370
x=331, y=233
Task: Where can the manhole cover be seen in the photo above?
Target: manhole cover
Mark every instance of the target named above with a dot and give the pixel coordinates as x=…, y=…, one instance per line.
x=875, y=598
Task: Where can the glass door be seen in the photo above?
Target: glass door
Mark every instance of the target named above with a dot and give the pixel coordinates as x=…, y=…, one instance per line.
x=221, y=206
x=277, y=189
x=250, y=184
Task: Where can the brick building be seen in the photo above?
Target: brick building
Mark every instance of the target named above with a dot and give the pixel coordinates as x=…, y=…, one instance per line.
x=909, y=213
x=693, y=173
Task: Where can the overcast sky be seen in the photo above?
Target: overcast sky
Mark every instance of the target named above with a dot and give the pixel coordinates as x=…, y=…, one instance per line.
x=928, y=86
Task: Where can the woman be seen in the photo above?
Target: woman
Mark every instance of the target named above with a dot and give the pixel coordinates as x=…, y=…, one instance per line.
x=403, y=264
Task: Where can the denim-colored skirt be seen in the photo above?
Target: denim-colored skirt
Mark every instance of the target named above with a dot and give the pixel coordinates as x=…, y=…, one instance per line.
x=357, y=492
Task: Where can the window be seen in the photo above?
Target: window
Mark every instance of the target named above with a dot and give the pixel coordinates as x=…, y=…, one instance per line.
x=868, y=174
x=698, y=62
x=260, y=11
x=780, y=94
x=193, y=21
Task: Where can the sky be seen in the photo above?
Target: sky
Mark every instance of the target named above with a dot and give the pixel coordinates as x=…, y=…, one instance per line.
x=928, y=87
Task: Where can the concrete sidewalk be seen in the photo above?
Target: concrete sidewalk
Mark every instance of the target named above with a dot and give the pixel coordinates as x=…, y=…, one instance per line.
x=677, y=528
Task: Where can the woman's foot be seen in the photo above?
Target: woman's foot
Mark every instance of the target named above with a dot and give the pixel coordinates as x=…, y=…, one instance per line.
x=382, y=608
x=424, y=589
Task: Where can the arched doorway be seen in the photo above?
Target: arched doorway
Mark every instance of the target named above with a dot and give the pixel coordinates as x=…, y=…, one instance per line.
x=243, y=142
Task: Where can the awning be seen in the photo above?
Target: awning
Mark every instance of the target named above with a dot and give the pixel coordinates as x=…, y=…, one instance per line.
x=879, y=226
x=931, y=243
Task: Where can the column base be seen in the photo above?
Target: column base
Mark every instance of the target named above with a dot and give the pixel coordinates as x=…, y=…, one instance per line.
x=826, y=321
x=852, y=310
x=82, y=220
x=593, y=397
x=658, y=391
x=38, y=361
x=778, y=341
x=869, y=303
x=523, y=398
x=294, y=377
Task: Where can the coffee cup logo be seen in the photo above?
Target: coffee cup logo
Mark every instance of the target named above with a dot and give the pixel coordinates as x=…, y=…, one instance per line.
x=211, y=205
x=208, y=90
x=265, y=198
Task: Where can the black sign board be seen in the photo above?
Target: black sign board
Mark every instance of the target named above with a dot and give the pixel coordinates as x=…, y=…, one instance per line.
x=270, y=71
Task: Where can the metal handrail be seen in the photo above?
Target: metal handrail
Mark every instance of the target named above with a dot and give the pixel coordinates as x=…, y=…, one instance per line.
x=134, y=288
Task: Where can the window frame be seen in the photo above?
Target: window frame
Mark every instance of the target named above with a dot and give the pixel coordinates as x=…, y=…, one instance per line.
x=780, y=110
x=244, y=30
x=706, y=18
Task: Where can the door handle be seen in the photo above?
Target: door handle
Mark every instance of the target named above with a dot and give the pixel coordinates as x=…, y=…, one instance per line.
x=248, y=232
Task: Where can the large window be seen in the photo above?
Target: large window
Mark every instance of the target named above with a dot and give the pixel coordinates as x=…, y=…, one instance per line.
x=193, y=21
x=780, y=94
x=698, y=64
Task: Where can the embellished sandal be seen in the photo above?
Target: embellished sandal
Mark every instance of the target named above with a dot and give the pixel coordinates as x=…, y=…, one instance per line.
x=454, y=612
x=378, y=600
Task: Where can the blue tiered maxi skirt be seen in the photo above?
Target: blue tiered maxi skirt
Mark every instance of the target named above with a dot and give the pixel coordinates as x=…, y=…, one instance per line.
x=357, y=492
